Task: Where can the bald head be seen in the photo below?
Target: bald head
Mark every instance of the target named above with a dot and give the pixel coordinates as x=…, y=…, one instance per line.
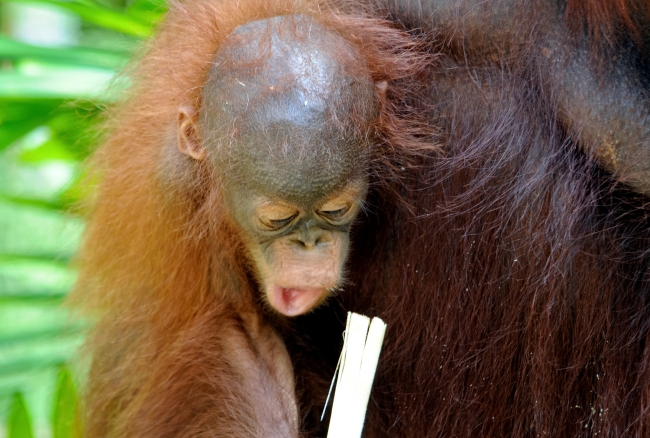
x=288, y=105
x=287, y=120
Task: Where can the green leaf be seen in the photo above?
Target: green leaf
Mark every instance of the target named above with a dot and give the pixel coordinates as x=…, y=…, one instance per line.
x=65, y=407
x=148, y=11
x=19, y=424
x=36, y=232
x=100, y=15
x=35, y=321
x=21, y=116
x=12, y=110
x=79, y=128
x=108, y=18
x=72, y=126
x=12, y=49
x=38, y=80
x=33, y=278
x=48, y=151
x=41, y=182
x=38, y=350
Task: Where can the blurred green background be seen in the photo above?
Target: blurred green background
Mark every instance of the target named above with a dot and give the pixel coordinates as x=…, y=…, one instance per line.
x=57, y=59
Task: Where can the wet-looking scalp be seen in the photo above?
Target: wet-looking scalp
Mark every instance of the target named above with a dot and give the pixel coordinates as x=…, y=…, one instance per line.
x=287, y=109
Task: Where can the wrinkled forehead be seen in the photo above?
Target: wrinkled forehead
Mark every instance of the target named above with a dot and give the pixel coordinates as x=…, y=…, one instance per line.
x=284, y=111
x=290, y=163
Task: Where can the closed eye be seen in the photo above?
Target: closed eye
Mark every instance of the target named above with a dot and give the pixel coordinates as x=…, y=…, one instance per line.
x=276, y=224
x=282, y=222
x=334, y=215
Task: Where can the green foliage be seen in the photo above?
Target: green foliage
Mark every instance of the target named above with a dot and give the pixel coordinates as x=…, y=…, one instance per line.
x=20, y=425
x=51, y=102
x=117, y=19
x=64, y=415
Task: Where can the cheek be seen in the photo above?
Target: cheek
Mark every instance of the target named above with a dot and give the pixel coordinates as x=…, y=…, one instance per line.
x=295, y=279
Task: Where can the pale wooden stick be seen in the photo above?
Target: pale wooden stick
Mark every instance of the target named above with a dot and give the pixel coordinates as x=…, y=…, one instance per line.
x=358, y=363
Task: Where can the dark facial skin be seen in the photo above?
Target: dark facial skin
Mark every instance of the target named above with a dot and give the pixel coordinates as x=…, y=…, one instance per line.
x=299, y=250
x=286, y=120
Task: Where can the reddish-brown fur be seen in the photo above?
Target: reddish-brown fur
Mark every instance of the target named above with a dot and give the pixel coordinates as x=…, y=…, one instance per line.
x=512, y=272
x=603, y=20
x=162, y=265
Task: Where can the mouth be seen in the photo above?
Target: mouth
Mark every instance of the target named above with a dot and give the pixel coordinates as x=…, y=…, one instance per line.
x=292, y=301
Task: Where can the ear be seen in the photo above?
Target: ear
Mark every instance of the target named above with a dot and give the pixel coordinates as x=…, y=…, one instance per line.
x=189, y=141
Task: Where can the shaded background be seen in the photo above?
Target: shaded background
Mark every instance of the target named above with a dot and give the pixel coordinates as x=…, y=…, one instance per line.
x=57, y=59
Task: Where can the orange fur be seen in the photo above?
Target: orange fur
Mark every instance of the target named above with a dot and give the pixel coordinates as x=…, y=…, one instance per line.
x=163, y=270
x=513, y=270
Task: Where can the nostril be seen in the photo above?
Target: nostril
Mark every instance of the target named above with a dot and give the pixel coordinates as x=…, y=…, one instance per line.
x=310, y=240
x=304, y=243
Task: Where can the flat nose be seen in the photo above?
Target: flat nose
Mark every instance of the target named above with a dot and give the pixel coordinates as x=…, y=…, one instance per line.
x=310, y=236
